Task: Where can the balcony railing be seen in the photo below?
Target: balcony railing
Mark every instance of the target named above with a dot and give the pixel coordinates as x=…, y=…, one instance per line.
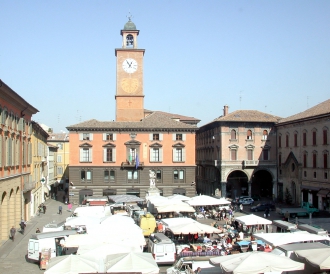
x=132, y=164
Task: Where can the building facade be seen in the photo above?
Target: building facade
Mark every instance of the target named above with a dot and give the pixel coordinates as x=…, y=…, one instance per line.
x=236, y=155
x=303, y=156
x=116, y=157
x=16, y=182
x=39, y=168
x=60, y=180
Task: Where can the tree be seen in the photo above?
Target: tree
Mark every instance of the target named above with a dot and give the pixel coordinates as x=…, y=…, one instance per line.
x=288, y=197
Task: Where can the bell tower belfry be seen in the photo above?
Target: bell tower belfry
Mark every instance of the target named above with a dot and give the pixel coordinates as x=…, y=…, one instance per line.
x=129, y=80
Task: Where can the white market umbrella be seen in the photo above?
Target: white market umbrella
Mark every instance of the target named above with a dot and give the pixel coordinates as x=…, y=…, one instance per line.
x=176, y=207
x=276, y=239
x=204, y=200
x=193, y=228
x=131, y=262
x=73, y=264
x=319, y=258
x=255, y=262
x=252, y=219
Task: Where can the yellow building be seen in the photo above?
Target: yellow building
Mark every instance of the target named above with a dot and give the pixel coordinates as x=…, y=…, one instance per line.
x=39, y=169
x=15, y=158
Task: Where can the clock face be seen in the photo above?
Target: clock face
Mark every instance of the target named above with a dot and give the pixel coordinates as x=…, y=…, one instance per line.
x=130, y=65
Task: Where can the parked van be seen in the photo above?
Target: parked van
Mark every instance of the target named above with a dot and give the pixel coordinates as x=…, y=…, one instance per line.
x=283, y=226
x=131, y=209
x=148, y=224
x=48, y=240
x=190, y=264
x=162, y=248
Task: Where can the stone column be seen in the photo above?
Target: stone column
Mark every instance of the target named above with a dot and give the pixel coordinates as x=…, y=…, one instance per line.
x=274, y=190
x=250, y=186
x=223, y=189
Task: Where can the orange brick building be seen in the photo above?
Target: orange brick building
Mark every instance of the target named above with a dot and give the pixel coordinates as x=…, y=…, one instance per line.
x=115, y=157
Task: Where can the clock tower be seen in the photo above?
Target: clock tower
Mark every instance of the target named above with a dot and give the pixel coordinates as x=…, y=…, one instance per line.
x=129, y=79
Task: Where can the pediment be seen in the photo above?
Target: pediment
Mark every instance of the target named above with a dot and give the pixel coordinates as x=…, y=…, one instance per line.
x=178, y=145
x=291, y=157
x=233, y=146
x=156, y=145
x=133, y=143
x=85, y=145
x=109, y=145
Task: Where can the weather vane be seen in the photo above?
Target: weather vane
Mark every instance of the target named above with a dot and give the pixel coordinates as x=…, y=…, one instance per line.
x=129, y=16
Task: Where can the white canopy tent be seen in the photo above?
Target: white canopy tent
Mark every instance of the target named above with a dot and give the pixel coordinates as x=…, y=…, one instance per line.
x=204, y=200
x=252, y=219
x=87, y=221
x=117, y=219
x=125, y=198
x=319, y=258
x=255, y=262
x=276, y=239
x=97, y=251
x=175, y=207
x=92, y=211
x=73, y=264
x=188, y=226
x=178, y=197
x=131, y=262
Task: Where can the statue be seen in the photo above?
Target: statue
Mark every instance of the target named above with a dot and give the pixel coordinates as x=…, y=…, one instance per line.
x=152, y=178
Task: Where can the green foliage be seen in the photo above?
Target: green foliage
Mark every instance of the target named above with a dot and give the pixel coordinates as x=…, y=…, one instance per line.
x=288, y=197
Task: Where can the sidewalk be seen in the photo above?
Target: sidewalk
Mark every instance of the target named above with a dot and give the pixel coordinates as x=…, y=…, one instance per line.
x=13, y=254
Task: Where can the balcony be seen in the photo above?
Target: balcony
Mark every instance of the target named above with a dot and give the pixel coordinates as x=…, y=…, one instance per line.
x=29, y=185
x=131, y=165
x=251, y=163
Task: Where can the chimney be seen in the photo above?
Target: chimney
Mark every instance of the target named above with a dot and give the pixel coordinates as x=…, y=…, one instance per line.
x=225, y=110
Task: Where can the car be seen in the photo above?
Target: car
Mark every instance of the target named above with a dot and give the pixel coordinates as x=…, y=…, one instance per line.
x=241, y=198
x=247, y=201
x=262, y=207
x=256, y=197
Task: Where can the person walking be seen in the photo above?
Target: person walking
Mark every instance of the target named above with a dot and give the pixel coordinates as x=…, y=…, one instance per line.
x=60, y=209
x=44, y=208
x=12, y=233
x=241, y=208
x=69, y=207
x=266, y=215
x=286, y=216
x=22, y=225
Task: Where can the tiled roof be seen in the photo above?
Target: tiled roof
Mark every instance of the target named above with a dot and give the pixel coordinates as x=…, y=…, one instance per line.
x=156, y=120
x=178, y=116
x=248, y=116
x=322, y=108
x=58, y=137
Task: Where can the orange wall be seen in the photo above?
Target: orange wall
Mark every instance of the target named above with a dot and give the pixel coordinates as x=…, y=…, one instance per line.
x=121, y=138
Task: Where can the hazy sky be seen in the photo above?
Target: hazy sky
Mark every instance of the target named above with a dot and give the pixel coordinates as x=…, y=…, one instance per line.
x=271, y=56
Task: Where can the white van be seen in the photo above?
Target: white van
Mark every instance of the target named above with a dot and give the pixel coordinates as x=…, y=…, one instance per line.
x=190, y=264
x=283, y=226
x=162, y=248
x=131, y=209
x=48, y=240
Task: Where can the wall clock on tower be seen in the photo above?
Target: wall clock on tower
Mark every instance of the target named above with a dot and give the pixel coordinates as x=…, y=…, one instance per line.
x=130, y=65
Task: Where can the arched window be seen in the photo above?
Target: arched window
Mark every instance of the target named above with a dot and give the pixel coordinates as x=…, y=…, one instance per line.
x=129, y=40
x=264, y=135
x=233, y=134
x=249, y=135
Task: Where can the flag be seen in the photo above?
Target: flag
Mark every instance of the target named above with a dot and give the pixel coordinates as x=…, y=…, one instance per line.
x=137, y=162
